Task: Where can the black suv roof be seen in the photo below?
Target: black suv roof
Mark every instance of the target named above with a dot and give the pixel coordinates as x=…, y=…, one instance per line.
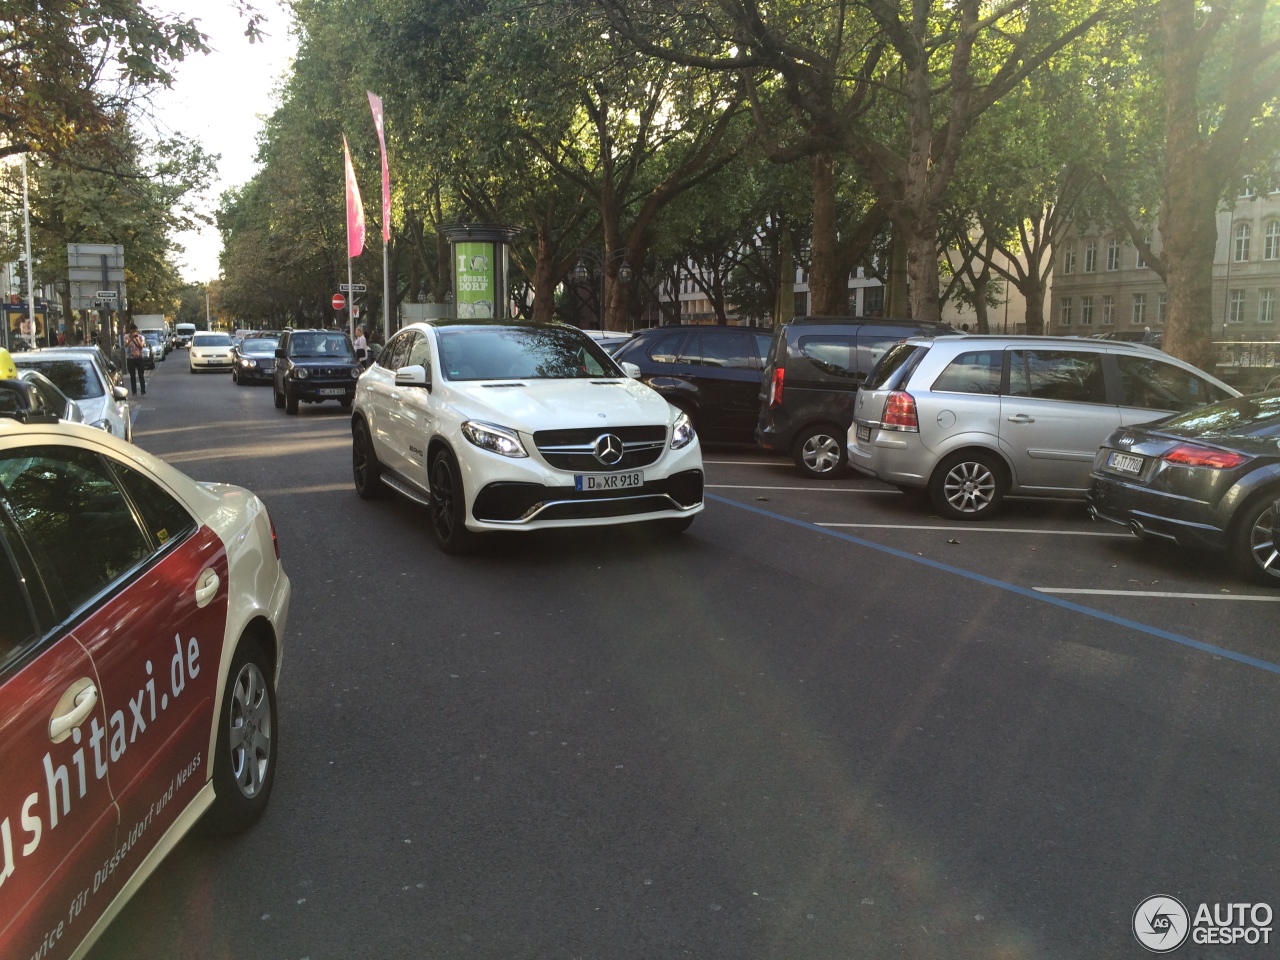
x=874, y=321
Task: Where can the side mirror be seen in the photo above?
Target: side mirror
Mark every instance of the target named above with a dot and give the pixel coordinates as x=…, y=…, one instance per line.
x=120, y=393
x=630, y=369
x=415, y=376
x=279, y=353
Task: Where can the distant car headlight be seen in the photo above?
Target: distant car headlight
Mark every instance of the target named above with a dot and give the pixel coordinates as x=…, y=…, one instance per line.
x=682, y=434
x=495, y=439
x=355, y=373
x=300, y=373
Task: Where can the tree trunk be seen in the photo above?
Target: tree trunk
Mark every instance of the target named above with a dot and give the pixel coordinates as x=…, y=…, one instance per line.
x=1033, y=289
x=544, y=280
x=784, y=304
x=981, y=282
x=895, y=297
x=828, y=284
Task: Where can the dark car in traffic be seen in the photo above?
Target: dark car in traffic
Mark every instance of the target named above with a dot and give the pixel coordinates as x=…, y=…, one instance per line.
x=312, y=366
x=712, y=373
x=812, y=373
x=253, y=360
x=1208, y=478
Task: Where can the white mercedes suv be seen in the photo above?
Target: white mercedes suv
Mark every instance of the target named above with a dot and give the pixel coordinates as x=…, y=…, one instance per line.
x=501, y=425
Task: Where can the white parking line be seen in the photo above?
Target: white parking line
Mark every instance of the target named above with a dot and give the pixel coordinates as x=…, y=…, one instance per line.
x=975, y=528
x=316, y=488
x=760, y=486
x=753, y=463
x=1157, y=593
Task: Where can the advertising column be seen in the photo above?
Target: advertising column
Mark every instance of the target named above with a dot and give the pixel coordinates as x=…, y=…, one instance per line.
x=480, y=262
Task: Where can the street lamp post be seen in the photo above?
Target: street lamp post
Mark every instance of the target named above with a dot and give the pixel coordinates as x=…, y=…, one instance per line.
x=582, y=273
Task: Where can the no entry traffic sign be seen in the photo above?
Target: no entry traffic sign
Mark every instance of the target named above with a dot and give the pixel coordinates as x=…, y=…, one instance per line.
x=339, y=301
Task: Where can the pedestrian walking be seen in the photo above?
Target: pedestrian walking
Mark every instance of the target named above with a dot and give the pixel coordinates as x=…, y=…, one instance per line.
x=361, y=345
x=134, y=346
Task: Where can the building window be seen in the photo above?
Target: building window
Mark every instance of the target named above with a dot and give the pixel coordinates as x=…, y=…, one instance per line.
x=873, y=301
x=1271, y=241
x=1140, y=261
x=1266, y=305
x=1139, y=308
x=1235, y=310
x=1069, y=260
x=1243, y=234
x=1091, y=256
x=1086, y=310
x=1162, y=305
x=1113, y=254
x=1064, y=312
x=1108, y=309
x=1247, y=190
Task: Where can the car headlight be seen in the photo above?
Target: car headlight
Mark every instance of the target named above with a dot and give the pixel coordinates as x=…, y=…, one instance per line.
x=300, y=372
x=103, y=425
x=246, y=362
x=495, y=439
x=355, y=373
x=682, y=434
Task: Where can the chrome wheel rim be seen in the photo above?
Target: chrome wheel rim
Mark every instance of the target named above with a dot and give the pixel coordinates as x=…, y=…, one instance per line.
x=250, y=729
x=821, y=453
x=442, y=494
x=1262, y=543
x=969, y=487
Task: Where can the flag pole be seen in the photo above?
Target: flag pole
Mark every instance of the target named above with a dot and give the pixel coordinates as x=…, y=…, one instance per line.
x=386, y=294
x=351, y=304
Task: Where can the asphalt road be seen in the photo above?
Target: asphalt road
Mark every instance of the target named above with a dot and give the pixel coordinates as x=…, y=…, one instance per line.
x=820, y=724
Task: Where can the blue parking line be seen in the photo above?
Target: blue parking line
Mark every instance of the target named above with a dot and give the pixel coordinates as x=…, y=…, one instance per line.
x=1010, y=587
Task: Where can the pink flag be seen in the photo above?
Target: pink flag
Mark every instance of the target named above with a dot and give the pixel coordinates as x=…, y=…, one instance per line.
x=375, y=104
x=355, y=209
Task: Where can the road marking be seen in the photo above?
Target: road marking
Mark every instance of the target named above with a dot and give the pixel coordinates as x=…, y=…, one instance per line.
x=975, y=528
x=316, y=488
x=1010, y=587
x=759, y=486
x=1275, y=598
x=752, y=463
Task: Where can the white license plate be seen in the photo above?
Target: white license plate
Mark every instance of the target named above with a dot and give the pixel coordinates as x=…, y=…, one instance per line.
x=588, y=482
x=1124, y=462
x=331, y=391
x=864, y=434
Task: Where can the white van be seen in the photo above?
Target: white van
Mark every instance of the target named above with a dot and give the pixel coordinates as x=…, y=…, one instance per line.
x=183, y=332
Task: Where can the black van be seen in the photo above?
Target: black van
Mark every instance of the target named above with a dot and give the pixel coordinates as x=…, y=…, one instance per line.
x=811, y=376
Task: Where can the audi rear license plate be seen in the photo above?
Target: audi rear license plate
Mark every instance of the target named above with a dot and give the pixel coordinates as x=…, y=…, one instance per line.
x=1124, y=462
x=588, y=482
x=864, y=434
x=331, y=391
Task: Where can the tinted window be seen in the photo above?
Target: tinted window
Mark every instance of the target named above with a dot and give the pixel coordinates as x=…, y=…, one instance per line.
x=259, y=347
x=665, y=349
x=894, y=366
x=1157, y=385
x=74, y=518
x=521, y=353
x=1257, y=415
x=1057, y=375
x=763, y=341
x=321, y=346
x=977, y=371
x=76, y=378
x=211, y=340
x=165, y=518
x=718, y=349
x=419, y=353
x=18, y=628
x=831, y=355
x=872, y=346
x=397, y=351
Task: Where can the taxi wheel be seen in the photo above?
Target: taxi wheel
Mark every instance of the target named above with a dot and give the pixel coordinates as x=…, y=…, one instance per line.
x=448, y=507
x=1255, y=543
x=290, y=401
x=365, y=468
x=244, y=767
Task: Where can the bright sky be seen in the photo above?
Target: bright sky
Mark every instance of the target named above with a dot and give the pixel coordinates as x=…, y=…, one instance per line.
x=220, y=99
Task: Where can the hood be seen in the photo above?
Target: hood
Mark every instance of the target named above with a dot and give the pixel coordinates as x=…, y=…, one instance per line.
x=529, y=405
x=94, y=409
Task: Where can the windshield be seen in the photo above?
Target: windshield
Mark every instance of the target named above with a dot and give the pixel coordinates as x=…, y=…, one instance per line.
x=259, y=348
x=76, y=378
x=1257, y=415
x=320, y=346
x=522, y=353
x=151, y=337
x=211, y=340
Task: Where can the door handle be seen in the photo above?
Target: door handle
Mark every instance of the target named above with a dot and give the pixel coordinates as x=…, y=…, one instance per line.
x=206, y=587
x=73, y=708
x=1022, y=418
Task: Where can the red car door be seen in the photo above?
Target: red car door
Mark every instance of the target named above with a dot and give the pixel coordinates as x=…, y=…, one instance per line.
x=57, y=818
x=157, y=647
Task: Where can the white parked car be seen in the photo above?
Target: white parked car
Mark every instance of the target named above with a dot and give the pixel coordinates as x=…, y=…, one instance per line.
x=497, y=425
x=79, y=373
x=140, y=643
x=210, y=351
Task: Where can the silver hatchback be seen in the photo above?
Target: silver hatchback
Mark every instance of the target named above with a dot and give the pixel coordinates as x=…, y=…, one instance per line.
x=975, y=418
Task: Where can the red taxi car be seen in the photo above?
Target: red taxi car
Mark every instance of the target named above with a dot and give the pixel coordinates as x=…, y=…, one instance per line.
x=141, y=621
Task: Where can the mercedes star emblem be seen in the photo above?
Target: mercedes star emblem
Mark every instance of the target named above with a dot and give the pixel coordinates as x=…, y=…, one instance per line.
x=608, y=449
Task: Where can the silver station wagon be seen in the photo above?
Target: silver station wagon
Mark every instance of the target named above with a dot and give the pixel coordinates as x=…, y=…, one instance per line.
x=975, y=418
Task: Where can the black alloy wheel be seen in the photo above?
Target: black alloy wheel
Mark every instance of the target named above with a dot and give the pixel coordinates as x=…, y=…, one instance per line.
x=290, y=401
x=448, y=507
x=275, y=396
x=1256, y=544
x=365, y=468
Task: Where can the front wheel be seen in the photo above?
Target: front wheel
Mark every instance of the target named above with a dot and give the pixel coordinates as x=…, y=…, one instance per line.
x=290, y=401
x=275, y=395
x=819, y=452
x=671, y=526
x=365, y=468
x=244, y=767
x=1254, y=545
x=449, y=505
x=968, y=486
